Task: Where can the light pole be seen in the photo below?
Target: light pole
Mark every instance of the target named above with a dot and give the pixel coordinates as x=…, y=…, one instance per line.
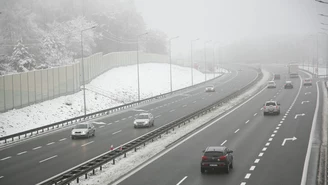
x=171, y=60
x=138, y=63
x=83, y=74
x=205, y=56
x=191, y=62
x=214, y=56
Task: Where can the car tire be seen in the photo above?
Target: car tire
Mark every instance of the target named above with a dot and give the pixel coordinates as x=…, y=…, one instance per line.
x=231, y=165
x=264, y=114
x=227, y=170
x=134, y=126
x=94, y=133
x=202, y=170
x=73, y=137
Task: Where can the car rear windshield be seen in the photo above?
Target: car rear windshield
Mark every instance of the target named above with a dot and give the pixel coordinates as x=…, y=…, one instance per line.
x=271, y=82
x=271, y=103
x=81, y=126
x=213, y=154
x=142, y=117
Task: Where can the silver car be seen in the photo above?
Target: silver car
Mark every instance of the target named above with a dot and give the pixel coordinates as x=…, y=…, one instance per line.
x=210, y=88
x=145, y=119
x=83, y=130
x=271, y=107
x=272, y=84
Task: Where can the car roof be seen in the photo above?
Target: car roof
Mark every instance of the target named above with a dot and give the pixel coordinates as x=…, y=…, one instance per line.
x=307, y=78
x=271, y=101
x=270, y=81
x=288, y=81
x=145, y=113
x=215, y=148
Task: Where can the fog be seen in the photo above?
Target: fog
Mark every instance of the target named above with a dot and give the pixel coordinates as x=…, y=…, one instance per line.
x=252, y=30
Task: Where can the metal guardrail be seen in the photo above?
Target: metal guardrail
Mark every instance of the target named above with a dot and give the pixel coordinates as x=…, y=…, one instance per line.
x=32, y=132
x=97, y=162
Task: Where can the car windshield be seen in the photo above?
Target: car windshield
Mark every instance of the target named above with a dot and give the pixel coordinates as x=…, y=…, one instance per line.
x=81, y=126
x=271, y=82
x=143, y=116
x=213, y=154
x=270, y=103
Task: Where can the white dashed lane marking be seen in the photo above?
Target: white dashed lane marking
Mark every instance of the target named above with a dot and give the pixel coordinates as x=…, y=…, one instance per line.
x=5, y=158
x=44, y=160
x=22, y=153
x=261, y=154
x=223, y=142
x=277, y=128
x=184, y=105
x=172, y=110
x=247, y=176
x=158, y=116
x=87, y=143
x=37, y=147
x=255, y=114
x=130, y=116
x=117, y=121
x=275, y=131
x=184, y=178
x=63, y=139
x=264, y=149
x=270, y=139
x=243, y=183
x=272, y=135
x=267, y=144
x=101, y=126
x=279, y=125
x=257, y=161
x=109, y=123
x=236, y=130
x=123, y=119
x=1, y=177
x=246, y=121
x=281, y=121
x=117, y=132
x=252, y=168
x=50, y=143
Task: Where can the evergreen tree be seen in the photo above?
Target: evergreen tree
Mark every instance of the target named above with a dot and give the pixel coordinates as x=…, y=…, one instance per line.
x=21, y=60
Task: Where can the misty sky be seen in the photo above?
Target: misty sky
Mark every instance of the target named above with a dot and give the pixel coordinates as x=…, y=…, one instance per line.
x=231, y=20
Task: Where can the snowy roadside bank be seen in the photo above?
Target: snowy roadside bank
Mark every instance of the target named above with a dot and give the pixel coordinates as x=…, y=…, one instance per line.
x=115, y=87
x=122, y=166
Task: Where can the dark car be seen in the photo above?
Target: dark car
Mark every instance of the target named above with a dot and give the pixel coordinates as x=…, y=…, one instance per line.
x=288, y=85
x=277, y=76
x=215, y=158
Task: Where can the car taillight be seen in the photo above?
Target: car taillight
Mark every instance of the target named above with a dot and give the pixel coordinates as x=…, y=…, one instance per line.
x=222, y=158
x=264, y=107
x=204, y=158
x=276, y=107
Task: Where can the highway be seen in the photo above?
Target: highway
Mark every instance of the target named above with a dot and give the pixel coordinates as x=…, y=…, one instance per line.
x=261, y=153
x=35, y=160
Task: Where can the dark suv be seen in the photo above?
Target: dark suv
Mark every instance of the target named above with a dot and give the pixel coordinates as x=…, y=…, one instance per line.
x=216, y=157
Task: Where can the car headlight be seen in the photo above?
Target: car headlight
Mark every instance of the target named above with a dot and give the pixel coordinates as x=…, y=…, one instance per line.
x=83, y=132
x=146, y=122
x=72, y=132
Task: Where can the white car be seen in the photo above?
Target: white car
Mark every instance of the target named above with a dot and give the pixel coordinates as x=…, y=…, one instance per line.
x=83, y=130
x=210, y=88
x=272, y=84
x=145, y=119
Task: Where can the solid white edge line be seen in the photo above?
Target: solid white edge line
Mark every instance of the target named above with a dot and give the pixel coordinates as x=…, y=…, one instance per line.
x=87, y=143
x=117, y=132
x=44, y=160
x=168, y=150
x=308, y=152
x=184, y=178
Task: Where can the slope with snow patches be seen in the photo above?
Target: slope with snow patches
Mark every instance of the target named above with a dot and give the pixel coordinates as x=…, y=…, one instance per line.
x=113, y=88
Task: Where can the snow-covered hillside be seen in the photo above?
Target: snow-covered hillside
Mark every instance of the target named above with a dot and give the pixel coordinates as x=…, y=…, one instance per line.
x=113, y=88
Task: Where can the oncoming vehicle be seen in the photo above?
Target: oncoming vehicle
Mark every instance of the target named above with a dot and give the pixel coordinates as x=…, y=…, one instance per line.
x=271, y=107
x=210, y=88
x=83, y=130
x=307, y=81
x=272, y=84
x=277, y=76
x=215, y=158
x=145, y=119
x=288, y=85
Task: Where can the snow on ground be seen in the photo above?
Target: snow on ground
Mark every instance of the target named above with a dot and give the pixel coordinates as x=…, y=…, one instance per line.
x=113, y=88
x=321, y=70
x=122, y=166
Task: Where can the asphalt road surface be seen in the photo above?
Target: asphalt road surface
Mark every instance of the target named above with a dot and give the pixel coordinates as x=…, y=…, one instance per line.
x=264, y=152
x=35, y=160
